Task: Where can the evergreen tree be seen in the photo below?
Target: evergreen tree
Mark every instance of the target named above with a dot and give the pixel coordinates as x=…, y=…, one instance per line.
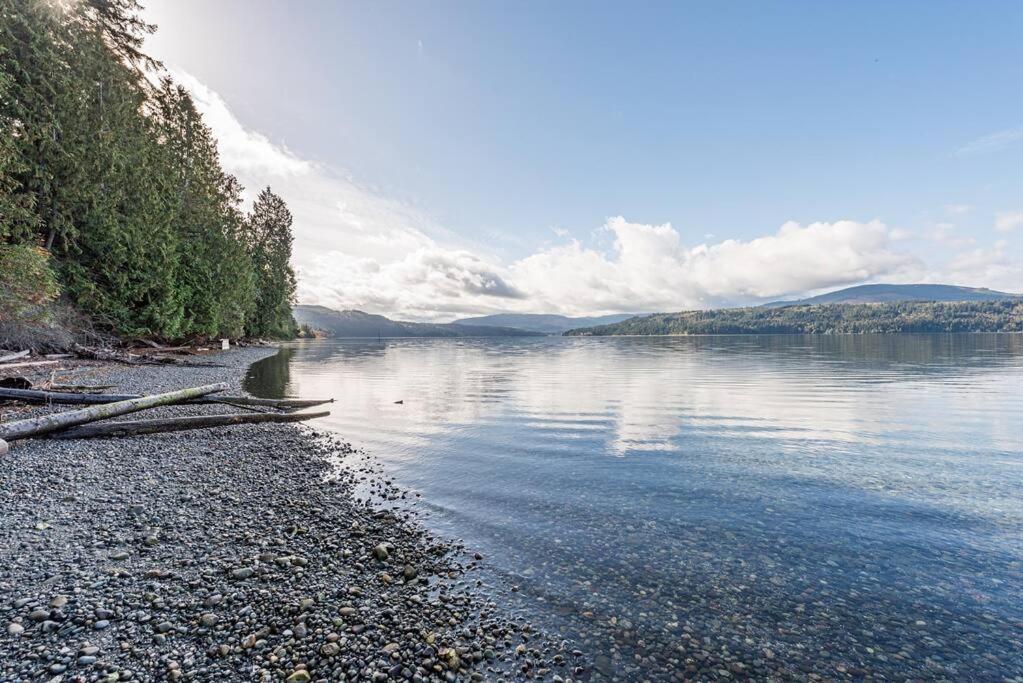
x=121, y=181
x=119, y=253
x=216, y=280
x=269, y=239
x=34, y=69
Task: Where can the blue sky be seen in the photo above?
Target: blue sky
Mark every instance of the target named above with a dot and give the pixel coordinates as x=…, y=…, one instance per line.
x=462, y=155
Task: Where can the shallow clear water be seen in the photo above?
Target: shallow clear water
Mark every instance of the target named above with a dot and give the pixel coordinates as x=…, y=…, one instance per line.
x=846, y=505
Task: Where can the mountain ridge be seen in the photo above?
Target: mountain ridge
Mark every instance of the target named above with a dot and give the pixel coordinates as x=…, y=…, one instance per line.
x=892, y=293
x=545, y=323
x=359, y=324
x=354, y=323
x=1004, y=315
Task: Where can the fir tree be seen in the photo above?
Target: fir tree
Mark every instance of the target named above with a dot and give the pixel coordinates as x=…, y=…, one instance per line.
x=215, y=281
x=121, y=181
x=269, y=238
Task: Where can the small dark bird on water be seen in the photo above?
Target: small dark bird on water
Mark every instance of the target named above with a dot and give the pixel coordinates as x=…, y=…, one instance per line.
x=401, y=402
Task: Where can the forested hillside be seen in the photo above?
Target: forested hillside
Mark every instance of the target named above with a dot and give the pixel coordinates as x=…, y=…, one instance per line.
x=885, y=293
x=112, y=192
x=358, y=324
x=991, y=316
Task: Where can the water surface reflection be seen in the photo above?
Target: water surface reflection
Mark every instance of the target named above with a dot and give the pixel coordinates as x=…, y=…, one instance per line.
x=849, y=505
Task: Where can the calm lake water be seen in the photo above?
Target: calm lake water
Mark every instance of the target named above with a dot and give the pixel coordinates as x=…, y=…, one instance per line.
x=738, y=506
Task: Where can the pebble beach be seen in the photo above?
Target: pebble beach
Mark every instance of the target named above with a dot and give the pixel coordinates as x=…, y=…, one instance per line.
x=242, y=553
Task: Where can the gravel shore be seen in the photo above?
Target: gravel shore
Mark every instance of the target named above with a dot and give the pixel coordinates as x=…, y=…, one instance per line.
x=242, y=553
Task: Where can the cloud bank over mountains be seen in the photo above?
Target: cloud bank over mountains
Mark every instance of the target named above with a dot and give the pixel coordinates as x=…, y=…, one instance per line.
x=356, y=248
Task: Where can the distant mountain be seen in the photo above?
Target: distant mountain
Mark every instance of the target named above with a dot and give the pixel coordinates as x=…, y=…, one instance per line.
x=359, y=324
x=543, y=323
x=873, y=294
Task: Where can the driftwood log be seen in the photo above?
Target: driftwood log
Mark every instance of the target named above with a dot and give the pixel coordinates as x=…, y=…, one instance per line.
x=75, y=398
x=45, y=424
x=133, y=359
x=31, y=363
x=177, y=424
x=13, y=356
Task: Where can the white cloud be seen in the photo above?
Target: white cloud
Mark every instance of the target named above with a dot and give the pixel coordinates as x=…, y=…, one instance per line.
x=957, y=209
x=356, y=248
x=243, y=151
x=429, y=283
x=341, y=226
x=647, y=269
x=946, y=234
x=993, y=267
x=651, y=269
x=1007, y=221
x=992, y=142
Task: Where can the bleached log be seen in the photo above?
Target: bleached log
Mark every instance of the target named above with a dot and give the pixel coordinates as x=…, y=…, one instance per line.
x=14, y=356
x=75, y=398
x=55, y=422
x=33, y=363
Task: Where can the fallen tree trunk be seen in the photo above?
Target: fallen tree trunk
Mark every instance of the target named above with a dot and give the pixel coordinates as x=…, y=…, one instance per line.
x=29, y=364
x=75, y=398
x=99, y=354
x=14, y=356
x=177, y=424
x=134, y=359
x=45, y=424
x=286, y=404
x=57, y=397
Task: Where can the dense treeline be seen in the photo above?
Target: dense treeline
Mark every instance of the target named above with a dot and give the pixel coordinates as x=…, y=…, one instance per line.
x=929, y=317
x=111, y=170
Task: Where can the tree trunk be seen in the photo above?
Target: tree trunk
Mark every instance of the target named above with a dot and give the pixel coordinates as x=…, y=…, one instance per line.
x=177, y=424
x=29, y=364
x=74, y=398
x=37, y=426
x=14, y=356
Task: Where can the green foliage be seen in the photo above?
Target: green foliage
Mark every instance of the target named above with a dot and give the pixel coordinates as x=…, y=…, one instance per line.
x=915, y=316
x=27, y=283
x=122, y=182
x=16, y=216
x=215, y=279
x=268, y=235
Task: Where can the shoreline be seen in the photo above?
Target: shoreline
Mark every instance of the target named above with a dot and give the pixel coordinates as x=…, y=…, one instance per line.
x=233, y=554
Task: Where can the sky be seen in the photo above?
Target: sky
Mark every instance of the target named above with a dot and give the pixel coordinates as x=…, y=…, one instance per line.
x=445, y=159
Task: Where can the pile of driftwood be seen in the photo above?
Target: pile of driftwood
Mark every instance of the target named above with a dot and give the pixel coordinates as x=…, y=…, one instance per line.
x=78, y=424
x=146, y=353
x=141, y=352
